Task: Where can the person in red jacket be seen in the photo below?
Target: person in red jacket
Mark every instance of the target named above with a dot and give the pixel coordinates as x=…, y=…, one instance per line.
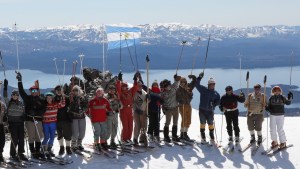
x=126, y=97
x=98, y=107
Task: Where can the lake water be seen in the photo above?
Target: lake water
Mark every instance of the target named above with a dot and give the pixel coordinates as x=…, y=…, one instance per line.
x=223, y=78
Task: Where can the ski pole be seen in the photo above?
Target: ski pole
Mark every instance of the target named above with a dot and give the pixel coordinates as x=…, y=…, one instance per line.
x=64, y=71
x=264, y=102
x=54, y=59
x=291, y=71
x=247, y=79
x=136, y=57
x=222, y=128
x=206, y=54
x=183, y=44
x=17, y=47
x=240, y=72
x=81, y=71
x=2, y=64
x=197, y=52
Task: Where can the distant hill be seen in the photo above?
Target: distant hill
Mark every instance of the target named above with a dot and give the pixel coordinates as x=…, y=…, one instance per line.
x=261, y=46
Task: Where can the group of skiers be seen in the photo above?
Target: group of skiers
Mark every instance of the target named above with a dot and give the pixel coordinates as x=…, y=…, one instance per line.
x=66, y=115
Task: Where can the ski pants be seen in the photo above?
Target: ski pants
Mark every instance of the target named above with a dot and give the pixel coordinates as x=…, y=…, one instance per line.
x=206, y=117
x=64, y=130
x=78, y=131
x=254, y=122
x=49, y=133
x=100, y=130
x=186, y=115
x=2, y=138
x=171, y=112
x=232, y=118
x=139, y=124
x=276, y=127
x=34, y=131
x=127, y=123
x=112, y=125
x=153, y=127
x=17, y=138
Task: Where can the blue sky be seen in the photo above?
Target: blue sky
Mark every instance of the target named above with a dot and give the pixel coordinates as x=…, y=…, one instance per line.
x=238, y=13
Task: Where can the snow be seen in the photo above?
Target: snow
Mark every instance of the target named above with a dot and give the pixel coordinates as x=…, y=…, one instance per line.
x=193, y=157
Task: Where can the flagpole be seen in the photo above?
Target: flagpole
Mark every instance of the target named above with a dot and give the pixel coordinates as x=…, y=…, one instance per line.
x=103, y=50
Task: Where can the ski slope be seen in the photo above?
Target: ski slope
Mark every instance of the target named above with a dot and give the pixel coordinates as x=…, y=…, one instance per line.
x=193, y=157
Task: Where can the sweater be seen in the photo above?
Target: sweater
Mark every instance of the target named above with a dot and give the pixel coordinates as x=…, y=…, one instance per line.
x=209, y=99
x=50, y=114
x=169, y=97
x=98, y=107
x=255, y=103
x=276, y=104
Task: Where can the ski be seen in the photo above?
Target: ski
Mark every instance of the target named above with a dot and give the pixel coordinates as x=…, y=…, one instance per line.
x=59, y=161
x=265, y=152
x=179, y=143
x=16, y=164
x=279, y=149
x=237, y=145
x=38, y=161
x=242, y=150
x=84, y=153
x=141, y=145
x=228, y=146
x=138, y=149
x=127, y=151
x=253, y=152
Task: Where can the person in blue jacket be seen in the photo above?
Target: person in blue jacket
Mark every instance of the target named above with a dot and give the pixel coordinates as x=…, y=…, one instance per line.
x=209, y=99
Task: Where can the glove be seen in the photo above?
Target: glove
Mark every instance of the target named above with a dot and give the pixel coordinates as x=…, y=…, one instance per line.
x=290, y=95
x=193, y=77
x=242, y=94
x=200, y=76
x=175, y=76
x=5, y=83
x=120, y=76
x=221, y=108
x=19, y=77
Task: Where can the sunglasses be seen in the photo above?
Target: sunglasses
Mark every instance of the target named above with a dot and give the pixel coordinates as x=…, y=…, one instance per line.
x=34, y=90
x=228, y=90
x=15, y=94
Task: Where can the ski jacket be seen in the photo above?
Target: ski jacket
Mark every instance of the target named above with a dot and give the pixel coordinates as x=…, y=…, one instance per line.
x=276, y=104
x=126, y=97
x=78, y=107
x=50, y=115
x=35, y=106
x=230, y=101
x=155, y=99
x=185, y=95
x=98, y=107
x=209, y=99
x=63, y=113
x=255, y=103
x=169, y=97
x=15, y=111
x=139, y=102
x=114, y=101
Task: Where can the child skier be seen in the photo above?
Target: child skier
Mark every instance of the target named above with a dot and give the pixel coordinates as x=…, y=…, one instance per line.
x=276, y=108
x=49, y=122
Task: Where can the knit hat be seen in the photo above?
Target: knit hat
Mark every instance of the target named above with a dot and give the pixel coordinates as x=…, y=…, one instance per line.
x=100, y=89
x=33, y=87
x=183, y=80
x=211, y=81
x=57, y=87
x=111, y=87
x=15, y=92
x=154, y=83
x=228, y=88
x=257, y=86
x=276, y=88
x=49, y=94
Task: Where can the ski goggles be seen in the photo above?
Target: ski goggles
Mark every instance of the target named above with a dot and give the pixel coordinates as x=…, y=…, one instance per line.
x=34, y=90
x=15, y=94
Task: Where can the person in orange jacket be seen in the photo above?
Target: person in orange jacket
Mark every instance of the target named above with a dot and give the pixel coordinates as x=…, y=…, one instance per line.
x=126, y=97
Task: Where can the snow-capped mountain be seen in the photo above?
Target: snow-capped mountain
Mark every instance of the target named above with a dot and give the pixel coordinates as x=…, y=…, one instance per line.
x=170, y=33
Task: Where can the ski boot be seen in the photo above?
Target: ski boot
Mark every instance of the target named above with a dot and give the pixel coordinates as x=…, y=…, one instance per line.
x=274, y=144
x=68, y=150
x=259, y=140
x=282, y=145
x=252, y=139
x=61, y=150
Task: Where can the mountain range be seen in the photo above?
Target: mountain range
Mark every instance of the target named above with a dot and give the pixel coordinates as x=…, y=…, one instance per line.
x=259, y=46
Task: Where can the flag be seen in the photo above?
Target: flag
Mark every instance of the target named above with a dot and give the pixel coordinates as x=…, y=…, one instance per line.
x=122, y=36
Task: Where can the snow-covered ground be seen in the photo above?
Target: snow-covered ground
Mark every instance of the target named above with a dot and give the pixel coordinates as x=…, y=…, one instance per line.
x=194, y=157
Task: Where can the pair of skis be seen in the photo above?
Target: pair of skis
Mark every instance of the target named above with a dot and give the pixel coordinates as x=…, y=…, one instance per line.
x=254, y=147
x=271, y=152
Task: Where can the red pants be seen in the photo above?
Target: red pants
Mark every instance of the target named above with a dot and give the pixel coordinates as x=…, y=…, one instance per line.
x=127, y=123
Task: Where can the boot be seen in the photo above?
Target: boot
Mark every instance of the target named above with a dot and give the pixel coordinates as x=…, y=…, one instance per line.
x=237, y=139
x=274, y=144
x=166, y=135
x=181, y=135
x=135, y=142
x=203, y=139
x=252, y=139
x=40, y=153
x=1, y=158
x=174, y=134
x=150, y=137
x=259, y=140
x=23, y=157
x=103, y=146
x=32, y=150
x=79, y=145
x=61, y=151
x=282, y=145
x=186, y=137
x=113, y=144
x=68, y=150
x=50, y=152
